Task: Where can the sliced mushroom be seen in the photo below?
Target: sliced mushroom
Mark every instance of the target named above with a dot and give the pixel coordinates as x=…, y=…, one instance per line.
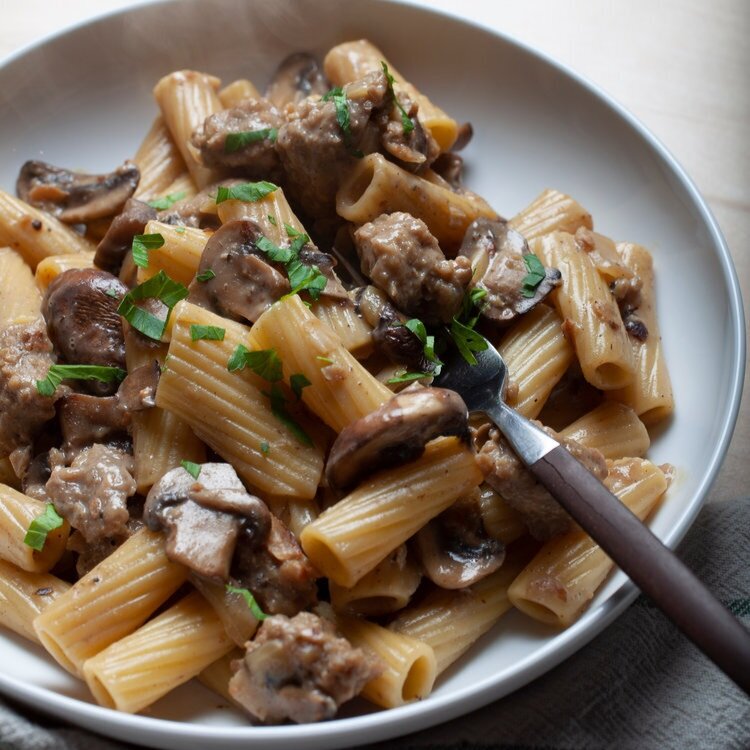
x=455, y=549
x=497, y=256
x=276, y=570
x=450, y=167
x=244, y=284
x=395, y=433
x=76, y=197
x=465, y=134
x=80, y=308
x=111, y=250
x=85, y=419
x=297, y=77
x=203, y=517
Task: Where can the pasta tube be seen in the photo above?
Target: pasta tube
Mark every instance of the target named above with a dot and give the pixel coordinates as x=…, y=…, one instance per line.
x=168, y=651
x=229, y=411
x=159, y=162
x=180, y=254
x=341, y=317
x=450, y=622
x=353, y=60
x=613, y=429
x=498, y=518
x=557, y=585
x=341, y=389
x=111, y=601
x=50, y=268
x=272, y=213
x=350, y=538
x=591, y=315
x=650, y=392
x=410, y=667
x=551, y=211
x=186, y=98
x=537, y=355
x=236, y=92
x=17, y=512
x=376, y=186
x=34, y=234
x=385, y=589
x=20, y=301
x=24, y=595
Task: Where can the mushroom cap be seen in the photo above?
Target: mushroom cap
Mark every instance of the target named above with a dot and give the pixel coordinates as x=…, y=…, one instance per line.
x=203, y=517
x=297, y=77
x=395, y=433
x=244, y=284
x=76, y=197
x=455, y=549
x=497, y=254
x=118, y=239
x=80, y=308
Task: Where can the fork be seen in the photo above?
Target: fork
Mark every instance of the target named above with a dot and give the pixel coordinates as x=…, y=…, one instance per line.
x=656, y=570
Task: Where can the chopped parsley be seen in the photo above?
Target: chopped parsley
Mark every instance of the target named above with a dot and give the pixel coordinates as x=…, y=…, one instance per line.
x=417, y=327
x=57, y=373
x=212, y=333
x=327, y=360
x=36, y=536
x=162, y=204
x=337, y=95
x=298, y=381
x=467, y=340
x=263, y=362
x=278, y=408
x=265, y=448
x=191, y=468
x=406, y=122
x=112, y=293
x=301, y=276
x=179, y=230
x=534, y=277
x=272, y=219
x=142, y=243
x=206, y=275
x=291, y=231
x=159, y=287
x=248, y=192
x=266, y=364
x=258, y=613
x=237, y=141
x=402, y=376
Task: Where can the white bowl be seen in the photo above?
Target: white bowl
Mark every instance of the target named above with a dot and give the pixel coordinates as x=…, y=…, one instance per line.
x=83, y=99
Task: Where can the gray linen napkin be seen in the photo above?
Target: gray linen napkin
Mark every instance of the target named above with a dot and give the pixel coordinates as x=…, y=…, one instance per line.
x=637, y=685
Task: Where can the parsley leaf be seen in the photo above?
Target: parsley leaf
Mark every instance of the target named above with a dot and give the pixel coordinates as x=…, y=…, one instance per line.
x=278, y=408
x=258, y=613
x=273, y=251
x=142, y=243
x=534, y=277
x=298, y=381
x=236, y=141
x=57, y=373
x=191, y=468
x=162, y=204
x=263, y=362
x=337, y=95
x=406, y=122
x=160, y=287
x=249, y=192
x=36, y=536
x=212, y=333
x=417, y=327
x=407, y=377
x=206, y=275
x=265, y=448
x=291, y=231
x=467, y=340
x=272, y=219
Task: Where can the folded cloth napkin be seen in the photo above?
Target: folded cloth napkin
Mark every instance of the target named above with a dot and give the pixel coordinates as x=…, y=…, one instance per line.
x=637, y=685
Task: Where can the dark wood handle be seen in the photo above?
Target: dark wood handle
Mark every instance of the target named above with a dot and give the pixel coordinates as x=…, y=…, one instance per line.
x=656, y=570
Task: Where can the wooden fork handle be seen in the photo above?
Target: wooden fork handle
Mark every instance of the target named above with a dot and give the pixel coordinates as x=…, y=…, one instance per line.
x=656, y=570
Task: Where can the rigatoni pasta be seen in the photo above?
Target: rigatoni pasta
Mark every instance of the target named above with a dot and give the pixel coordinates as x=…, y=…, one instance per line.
x=226, y=434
